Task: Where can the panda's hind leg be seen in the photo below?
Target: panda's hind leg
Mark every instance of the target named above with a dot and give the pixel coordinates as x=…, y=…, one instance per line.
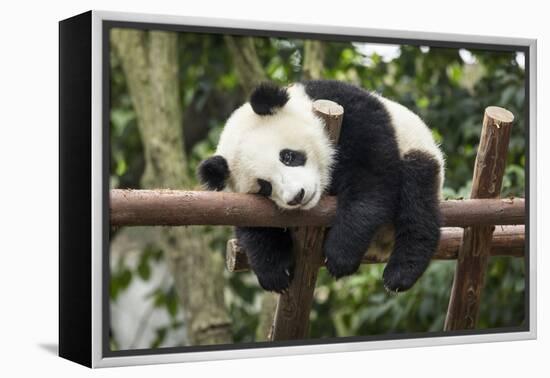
x=363, y=207
x=417, y=221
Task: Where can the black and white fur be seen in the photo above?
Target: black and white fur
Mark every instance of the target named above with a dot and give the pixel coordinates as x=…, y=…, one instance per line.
x=386, y=169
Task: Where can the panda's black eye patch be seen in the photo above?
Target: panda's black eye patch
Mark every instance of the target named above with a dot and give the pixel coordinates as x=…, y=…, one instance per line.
x=292, y=158
x=265, y=188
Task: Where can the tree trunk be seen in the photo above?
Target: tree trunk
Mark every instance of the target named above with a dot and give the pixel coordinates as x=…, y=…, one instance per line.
x=314, y=55
x=247, y=64
x=149, y=61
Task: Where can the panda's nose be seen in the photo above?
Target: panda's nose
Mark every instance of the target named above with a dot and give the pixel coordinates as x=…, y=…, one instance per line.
x=298, y=198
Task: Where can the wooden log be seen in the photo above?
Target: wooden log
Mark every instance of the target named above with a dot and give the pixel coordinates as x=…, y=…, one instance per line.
x=182, y=208
x=474, y=252
x=291, y=319
x=507, y=241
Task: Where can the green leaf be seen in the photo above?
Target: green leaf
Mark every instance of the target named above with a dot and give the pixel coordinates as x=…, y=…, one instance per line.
x=144, y=270
x=172, y=303
x=160, y=336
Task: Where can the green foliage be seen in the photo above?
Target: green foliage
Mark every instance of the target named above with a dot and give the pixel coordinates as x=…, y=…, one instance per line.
x=127, y=159
x=243, y=301
x=359, y=304
x=447, y=92
x=121, y=277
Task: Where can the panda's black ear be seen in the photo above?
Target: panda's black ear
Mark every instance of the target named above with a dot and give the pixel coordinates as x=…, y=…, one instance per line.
x=213, y=172
x=267, y=98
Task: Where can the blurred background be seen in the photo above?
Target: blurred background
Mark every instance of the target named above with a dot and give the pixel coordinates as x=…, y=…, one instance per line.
x=170, y=95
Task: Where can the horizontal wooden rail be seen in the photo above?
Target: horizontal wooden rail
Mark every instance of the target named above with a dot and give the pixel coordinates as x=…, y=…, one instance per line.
x=507, y=241
x=179, y=208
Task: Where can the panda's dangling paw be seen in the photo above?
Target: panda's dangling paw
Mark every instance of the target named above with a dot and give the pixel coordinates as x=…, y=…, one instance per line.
x=339, y=263
x=276, y=277
x=339, y=267
x=277, y=280
x=269, y=252
x=399, y=277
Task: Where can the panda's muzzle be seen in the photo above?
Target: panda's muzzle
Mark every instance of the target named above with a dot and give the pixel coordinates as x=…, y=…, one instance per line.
x=297, y=200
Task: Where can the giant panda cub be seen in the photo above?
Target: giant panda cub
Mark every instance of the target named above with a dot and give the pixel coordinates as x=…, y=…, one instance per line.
x=386, y=169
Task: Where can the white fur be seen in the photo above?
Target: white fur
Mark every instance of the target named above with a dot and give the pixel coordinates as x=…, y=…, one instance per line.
x=412, y=133
x=251, y=144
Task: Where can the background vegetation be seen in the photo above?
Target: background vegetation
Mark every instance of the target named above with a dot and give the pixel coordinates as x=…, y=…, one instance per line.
x=448, y=88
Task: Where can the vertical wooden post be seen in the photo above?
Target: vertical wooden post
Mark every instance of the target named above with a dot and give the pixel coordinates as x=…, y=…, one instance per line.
x=474, y=252
x=292, y=315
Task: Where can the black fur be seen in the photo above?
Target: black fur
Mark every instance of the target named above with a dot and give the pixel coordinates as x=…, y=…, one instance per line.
x=292, y=158
x=265, y=188
x=267, y=98
x=366, y=175
x=213, y=172
x=417, y=222
x=269, y=252
x=374, y=187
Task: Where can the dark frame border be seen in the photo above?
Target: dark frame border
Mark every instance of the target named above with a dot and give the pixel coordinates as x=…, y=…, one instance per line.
x=107, y=25
x=75, y=189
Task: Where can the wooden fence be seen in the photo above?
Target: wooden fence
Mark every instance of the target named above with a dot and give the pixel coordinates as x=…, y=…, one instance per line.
x=468, y=235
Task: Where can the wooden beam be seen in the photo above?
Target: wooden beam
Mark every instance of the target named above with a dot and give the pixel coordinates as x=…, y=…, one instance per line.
x=181, y=208
x=507, y=241
x=291, y=319
x=474, y=252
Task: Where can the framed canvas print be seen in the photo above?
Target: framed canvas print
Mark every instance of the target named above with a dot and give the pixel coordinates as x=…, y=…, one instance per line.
x=232, y=189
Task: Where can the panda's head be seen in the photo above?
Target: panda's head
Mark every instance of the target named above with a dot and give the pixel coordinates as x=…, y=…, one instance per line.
x=275, y=146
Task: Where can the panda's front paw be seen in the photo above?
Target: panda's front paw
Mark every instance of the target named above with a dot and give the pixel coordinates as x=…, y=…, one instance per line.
x=339, y=261
x=276, y=279
x=274, y=271
x=340, y=267
x=400, y=277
